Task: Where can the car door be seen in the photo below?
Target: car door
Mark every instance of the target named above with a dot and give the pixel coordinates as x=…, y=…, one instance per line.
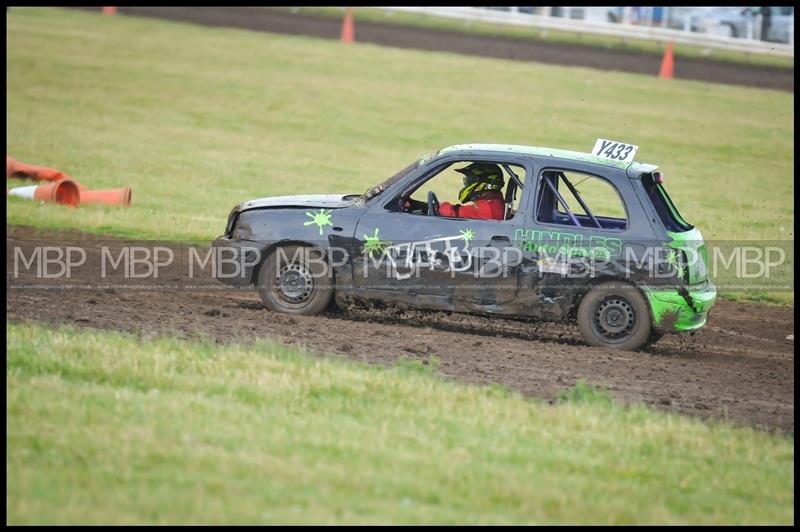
x=566, y=228
x=465, y=261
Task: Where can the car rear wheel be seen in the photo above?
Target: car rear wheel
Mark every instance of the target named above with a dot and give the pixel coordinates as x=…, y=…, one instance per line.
x=295, y=280
x=616, y=315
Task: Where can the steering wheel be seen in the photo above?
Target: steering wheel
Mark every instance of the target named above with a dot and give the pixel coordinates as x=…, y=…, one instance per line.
x=433, y=204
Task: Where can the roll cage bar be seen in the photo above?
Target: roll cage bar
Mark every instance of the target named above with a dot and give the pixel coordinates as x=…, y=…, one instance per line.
x=511, y=191
x=563, y=202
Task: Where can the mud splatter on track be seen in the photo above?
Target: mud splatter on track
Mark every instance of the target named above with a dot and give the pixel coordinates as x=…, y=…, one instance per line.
x=740, y=367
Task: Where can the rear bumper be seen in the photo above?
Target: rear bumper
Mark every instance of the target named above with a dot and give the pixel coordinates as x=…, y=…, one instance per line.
x=680, y=311
x=235, y=261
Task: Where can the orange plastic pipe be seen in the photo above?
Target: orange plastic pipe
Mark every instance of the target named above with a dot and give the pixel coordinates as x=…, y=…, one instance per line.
x=64, y=192
x=116, y=196
x=15, y=168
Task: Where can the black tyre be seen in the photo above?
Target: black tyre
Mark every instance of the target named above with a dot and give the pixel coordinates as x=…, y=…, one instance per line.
x=616, y=315
x=293, y=279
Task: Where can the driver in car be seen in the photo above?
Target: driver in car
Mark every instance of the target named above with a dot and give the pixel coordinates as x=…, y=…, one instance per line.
x=483, y=183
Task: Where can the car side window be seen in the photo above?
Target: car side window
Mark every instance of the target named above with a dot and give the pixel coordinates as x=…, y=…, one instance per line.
x=579, y=200
x=447, y=182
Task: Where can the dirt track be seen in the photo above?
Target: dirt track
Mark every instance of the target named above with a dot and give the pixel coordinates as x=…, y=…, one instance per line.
x=281, y=21
x=740, y=367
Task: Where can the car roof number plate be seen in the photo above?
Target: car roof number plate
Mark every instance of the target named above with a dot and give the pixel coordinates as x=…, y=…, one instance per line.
x=614, y=151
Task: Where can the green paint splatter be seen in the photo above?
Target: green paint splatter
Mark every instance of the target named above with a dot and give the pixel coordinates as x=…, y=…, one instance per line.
x=672, y=258
x=681, y=271
x=467, y=235
x=374, y=245
x=320, y=219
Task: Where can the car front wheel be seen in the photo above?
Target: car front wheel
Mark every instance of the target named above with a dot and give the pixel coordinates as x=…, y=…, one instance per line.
x=295, y=280
x=616, y=315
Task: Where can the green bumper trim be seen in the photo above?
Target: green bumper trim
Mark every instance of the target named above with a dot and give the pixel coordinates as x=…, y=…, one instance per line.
x=672, y=312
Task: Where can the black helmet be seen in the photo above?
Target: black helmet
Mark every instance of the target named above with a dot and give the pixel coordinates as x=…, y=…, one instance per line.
x=479, y=177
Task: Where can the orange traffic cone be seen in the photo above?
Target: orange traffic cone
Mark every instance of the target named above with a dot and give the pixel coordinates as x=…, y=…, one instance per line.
x=109, y=10
x=116, y=196
x=64, y=192
x=348, y=31
x=667, y=64
x=15, y=168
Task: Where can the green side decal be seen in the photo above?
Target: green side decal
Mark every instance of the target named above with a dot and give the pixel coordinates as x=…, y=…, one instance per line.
x=320, y=218
x=467, y=235
x=373, y=245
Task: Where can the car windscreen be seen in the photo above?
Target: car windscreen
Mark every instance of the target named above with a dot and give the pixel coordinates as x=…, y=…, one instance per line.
x=377, y=189
x=663, y=205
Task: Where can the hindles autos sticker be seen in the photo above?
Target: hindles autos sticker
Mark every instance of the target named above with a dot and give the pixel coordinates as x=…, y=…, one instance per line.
x=615, y=151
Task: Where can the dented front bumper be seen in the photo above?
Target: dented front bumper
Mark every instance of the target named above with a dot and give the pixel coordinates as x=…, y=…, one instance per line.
x=681, y=310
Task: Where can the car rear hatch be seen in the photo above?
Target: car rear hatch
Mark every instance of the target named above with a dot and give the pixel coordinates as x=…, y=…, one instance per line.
x=691, y=251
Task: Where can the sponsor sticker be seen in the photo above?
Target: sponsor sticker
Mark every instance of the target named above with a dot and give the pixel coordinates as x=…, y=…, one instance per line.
x=548, y=265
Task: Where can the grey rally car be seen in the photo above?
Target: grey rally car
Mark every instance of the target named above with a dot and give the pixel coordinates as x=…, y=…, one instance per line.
x=591, y=238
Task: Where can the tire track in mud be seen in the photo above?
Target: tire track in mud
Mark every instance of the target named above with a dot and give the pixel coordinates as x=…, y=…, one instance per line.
x=740, y=367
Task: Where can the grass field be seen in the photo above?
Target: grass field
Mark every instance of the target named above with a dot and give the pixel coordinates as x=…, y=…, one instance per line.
x=504, y=30
x=106, y=428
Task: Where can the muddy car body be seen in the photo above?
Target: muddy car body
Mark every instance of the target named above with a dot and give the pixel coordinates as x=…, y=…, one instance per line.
x=627, y=270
